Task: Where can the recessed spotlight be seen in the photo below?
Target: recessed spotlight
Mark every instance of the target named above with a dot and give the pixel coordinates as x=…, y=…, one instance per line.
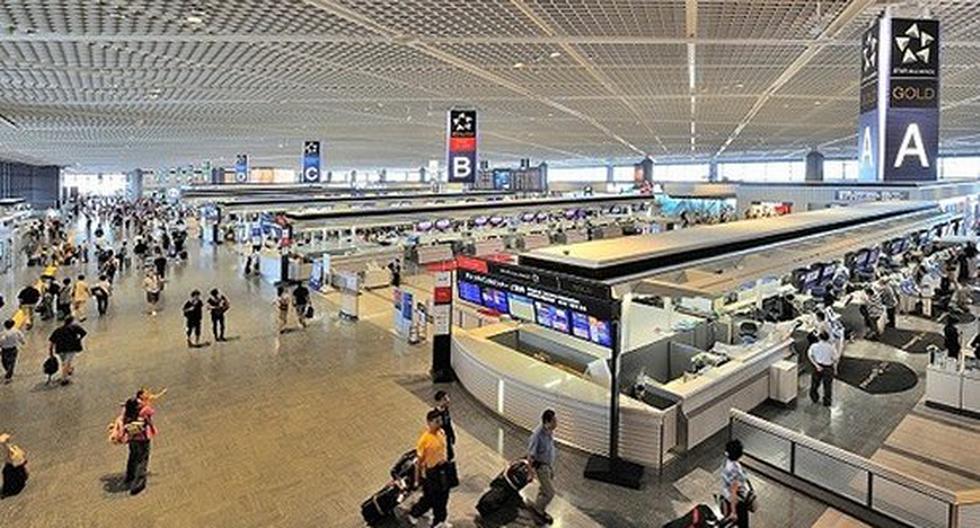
x=555, y=54
x=817, y=103
x=740, y=85
x=194, y=19
x=518, y=65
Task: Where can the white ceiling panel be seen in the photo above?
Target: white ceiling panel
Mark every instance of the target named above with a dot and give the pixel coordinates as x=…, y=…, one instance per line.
x=119, y=84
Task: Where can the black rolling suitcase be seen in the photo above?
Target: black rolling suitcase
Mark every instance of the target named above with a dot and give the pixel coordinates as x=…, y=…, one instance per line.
x=381, y=505
x=505, y=488
x=404, y=469
x=701, y=516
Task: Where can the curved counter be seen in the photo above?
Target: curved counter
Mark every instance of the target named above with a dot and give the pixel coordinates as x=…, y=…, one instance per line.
x=519, y=388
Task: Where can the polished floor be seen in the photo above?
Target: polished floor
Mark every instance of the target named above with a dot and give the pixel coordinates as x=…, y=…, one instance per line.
x=296, y=430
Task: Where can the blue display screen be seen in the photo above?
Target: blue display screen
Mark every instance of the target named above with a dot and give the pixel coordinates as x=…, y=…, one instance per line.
x=580, y=325
x=560, y=320
x=495, y=300
x=470, y=292
x=599, y=332
x=545, y=313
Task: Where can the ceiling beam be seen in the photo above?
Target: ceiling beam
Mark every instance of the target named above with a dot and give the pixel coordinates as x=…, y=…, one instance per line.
x=833, y=29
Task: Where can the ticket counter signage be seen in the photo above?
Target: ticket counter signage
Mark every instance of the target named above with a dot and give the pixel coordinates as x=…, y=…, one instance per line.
x=898, y=123
x=461, y=131
x=241, y=168
x=311, y=162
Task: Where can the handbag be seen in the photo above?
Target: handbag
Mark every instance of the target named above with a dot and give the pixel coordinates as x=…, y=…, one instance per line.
x=50, y=366
x=308, y=313
x=452, y=476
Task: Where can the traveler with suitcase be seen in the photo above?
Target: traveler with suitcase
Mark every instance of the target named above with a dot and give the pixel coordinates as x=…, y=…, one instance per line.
x=737, y=496
x=541, y=454
x=430, y=470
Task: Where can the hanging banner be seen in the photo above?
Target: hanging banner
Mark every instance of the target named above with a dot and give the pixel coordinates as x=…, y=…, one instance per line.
x=898, y=125
x=912, y=124
x=869, y=131
x=462, y=146
x=241, y=168
x=311, y=162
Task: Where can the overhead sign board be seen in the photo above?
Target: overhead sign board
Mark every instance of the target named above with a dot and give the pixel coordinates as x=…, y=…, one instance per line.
x=241, y=168
x=461, y=132
x=898, y=126
x=311, y=162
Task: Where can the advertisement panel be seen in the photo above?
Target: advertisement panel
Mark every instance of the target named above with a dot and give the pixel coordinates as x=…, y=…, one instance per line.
x=461, y=131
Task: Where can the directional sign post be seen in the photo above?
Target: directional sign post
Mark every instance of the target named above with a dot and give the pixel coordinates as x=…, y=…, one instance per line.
x=241, y=168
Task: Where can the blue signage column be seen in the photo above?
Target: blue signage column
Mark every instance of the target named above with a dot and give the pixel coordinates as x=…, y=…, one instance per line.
x=462, y=144
x=898, y=127
x=311, y=162
x=241, y=168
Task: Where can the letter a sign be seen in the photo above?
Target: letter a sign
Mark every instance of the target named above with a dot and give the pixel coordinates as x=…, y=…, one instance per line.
x=461, y=134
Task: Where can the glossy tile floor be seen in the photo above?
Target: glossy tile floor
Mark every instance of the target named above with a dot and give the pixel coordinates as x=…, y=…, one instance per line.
x=296, y=430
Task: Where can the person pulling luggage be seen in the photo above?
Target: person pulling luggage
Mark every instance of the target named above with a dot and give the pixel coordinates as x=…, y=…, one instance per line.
x=430, y=470
x=541, y=454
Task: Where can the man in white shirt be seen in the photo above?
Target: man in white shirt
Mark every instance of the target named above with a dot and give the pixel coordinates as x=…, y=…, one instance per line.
x=823, y=358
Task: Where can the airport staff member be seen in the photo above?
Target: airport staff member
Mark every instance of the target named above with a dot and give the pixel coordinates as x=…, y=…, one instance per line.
x=430, y=470
x=541, y=453
x=822, y=356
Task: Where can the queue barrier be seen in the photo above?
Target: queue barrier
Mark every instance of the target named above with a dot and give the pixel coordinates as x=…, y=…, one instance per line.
x=866, y=485
x=19, y=317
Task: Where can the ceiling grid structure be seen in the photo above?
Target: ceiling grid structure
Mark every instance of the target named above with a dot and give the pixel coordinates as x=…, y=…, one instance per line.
x=118, y=84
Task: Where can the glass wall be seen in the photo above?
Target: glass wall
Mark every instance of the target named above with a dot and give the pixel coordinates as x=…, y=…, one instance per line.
x=959, y=167
x=838, y=170
x=108, y=184
x=764, y=171
x=681, y=172
x=577, y=174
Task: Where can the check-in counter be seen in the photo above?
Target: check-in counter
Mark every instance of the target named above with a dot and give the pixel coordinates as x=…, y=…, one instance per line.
x=519, y=387
x=953, y=389
x=742, y=383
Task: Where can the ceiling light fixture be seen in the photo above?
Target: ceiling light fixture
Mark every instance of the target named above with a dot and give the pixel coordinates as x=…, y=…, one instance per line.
x=555, y=54
x=194, y=19
x=518, y=65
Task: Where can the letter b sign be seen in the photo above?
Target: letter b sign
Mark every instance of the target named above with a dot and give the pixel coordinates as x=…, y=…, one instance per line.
x=462, y=168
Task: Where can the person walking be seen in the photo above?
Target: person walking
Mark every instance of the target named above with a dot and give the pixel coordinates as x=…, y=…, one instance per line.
x=160, y=265
x=110, y=266
x=442, y=405
x=14, y=467
x=301, y=300
x=102, y=291
x=66, y=342
x=282, y=305
x=80, y=296
x=152, y=286
x=218, y=305
x=737, y=496
x=541, y=455
x=193, y=313
x=823, y=359
x=11, y=340
x=138, y=430
x=889, y=299
x=430, y=470
x=28, y=299
x=64, y=299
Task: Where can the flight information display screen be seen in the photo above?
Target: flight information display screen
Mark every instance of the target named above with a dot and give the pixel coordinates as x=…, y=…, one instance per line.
x=549, y=315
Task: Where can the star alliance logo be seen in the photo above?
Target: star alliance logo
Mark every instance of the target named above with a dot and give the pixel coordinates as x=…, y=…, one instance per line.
x=915, y=46
x=312, y=147
x=870, y=51
x=463, y=123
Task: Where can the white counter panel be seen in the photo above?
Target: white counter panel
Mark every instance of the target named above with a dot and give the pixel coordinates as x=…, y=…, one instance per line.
x=519, y=388
x=971, y=393
x=943, y=387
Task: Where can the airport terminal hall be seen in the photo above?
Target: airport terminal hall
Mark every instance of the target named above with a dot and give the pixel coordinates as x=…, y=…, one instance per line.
x=490, y=263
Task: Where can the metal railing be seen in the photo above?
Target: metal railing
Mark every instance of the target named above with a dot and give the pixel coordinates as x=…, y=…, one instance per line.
x=864, y=484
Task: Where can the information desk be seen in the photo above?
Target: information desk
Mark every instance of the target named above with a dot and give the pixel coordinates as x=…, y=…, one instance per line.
x=519, y=388
x=680, y=413
x=955, y=390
